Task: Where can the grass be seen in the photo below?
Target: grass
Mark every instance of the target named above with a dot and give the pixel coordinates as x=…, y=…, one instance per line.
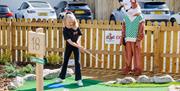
x=90, y=85
x=143, y=85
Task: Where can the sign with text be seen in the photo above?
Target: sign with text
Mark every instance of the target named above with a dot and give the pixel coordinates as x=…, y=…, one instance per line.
x=112, y=37
x=36, y=43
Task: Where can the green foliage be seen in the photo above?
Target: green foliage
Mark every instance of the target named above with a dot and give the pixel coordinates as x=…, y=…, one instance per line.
x=9, y=68
x=1, y=75
x=28, y=56
x=5, y=57
x=12, y=71
x=143, y=85
x=10, y=75
x=27, y=69
x=54, y=58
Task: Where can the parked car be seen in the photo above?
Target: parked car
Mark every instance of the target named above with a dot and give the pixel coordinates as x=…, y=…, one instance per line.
x=36, y=9
x=153, y=11
x=117, y=14
x=80, y=9
x=5, y=12
x=175, y=18
x=59, y=8
x=157, y=11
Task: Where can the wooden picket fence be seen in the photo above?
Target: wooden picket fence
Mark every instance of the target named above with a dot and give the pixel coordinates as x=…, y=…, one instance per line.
x=160, y=47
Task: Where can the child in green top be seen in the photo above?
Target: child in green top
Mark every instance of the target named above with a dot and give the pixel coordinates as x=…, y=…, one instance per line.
x=132, y=32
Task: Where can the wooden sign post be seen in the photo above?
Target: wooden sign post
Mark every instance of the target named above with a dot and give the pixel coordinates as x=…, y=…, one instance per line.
x=36, y=45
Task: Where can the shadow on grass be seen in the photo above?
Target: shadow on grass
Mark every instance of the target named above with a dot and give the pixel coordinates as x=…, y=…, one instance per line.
x=87, y=82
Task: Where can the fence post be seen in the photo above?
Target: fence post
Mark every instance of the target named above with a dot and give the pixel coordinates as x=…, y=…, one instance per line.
x=175, y=47
x=156, y=68
x=83, y=44
x=18, y=42
x=4, y=35
x=89, y=36
x=13, y=40
x=9, y=28
x=0, y=37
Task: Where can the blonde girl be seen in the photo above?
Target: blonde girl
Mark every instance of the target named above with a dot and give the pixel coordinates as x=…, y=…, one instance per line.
x=72, y=34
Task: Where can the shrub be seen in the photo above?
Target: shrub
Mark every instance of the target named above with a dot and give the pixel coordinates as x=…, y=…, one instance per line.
x=54, y=58
x=5, y=57
x=28, y=69
x=9, y=68
x=12, y=71
x=28, y=55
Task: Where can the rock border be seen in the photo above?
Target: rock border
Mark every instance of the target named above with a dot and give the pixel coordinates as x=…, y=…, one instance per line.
x=47, y=75
x=144, y=79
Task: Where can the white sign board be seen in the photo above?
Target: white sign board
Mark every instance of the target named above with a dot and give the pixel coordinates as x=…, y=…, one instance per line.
x=113, y=37
x=36, y=43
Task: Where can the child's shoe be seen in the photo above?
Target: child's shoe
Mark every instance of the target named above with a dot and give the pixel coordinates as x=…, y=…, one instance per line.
x=80, y=83
x=59, y=80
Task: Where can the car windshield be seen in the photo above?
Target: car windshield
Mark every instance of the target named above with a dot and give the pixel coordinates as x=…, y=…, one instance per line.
x=153, y=5
x=79, y=6
x=4, y=9
x=39, y=4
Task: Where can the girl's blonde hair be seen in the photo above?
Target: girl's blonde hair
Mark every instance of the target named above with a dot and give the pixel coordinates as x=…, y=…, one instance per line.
x=72, y=17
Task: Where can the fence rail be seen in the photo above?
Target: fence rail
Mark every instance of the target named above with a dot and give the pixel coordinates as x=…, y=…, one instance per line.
x=160, y=47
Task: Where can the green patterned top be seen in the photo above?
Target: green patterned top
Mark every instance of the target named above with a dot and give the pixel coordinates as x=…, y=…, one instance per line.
x=132, y=28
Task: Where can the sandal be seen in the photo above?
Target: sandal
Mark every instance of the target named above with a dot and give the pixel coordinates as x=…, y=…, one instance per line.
x=137, y=71
x=126, y=70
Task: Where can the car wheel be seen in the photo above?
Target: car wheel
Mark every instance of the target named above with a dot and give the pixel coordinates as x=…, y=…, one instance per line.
x=15, y=16
x=173, y=20
x=60, y=17
x=112, y=18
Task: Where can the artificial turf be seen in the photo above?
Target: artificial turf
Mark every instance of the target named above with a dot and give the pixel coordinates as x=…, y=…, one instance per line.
x=91, y=85
x=143, y=85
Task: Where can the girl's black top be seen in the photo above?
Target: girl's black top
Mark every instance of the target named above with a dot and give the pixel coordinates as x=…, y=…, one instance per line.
x=72, y=34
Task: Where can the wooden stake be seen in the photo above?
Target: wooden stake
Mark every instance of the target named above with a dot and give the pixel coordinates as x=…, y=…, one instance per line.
x=39, y=77
x=39, y=50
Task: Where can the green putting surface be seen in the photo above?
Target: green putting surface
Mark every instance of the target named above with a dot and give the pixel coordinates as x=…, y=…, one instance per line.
x=144, y=85
x=89, y=85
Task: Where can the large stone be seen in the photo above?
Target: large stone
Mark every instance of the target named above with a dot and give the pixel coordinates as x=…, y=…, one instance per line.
x=30, y=77
x=110, y=82
x=51, y=74
x=173, y=88
x=144, y=79
x=163, y=79
x=18, y=81
x=118, y=81
x=71, y=62
x=128, y=80
x=178, y=80
x=70, y=72
x=45, y=72
x=11, y=86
